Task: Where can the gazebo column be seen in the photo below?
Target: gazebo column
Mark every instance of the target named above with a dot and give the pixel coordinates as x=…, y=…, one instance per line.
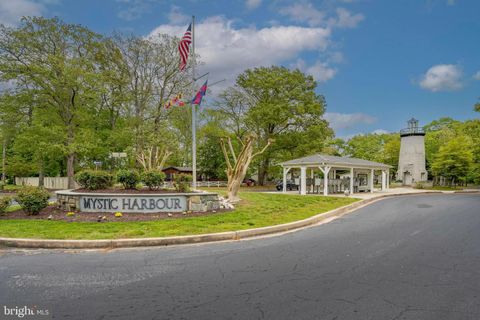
x=285, y=172
x=303, y=180
x=351, y=180
x=312, y=185
x=388, y=179
x=384, y=180
x=372, y=173
x=325, y=170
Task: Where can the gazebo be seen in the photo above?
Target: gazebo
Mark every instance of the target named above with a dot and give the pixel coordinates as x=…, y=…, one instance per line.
x=338, y=174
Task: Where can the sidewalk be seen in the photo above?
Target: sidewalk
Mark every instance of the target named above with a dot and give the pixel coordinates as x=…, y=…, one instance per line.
x=370, y=195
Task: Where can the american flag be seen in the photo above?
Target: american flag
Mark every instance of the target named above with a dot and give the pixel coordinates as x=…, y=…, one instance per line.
x=184, y=47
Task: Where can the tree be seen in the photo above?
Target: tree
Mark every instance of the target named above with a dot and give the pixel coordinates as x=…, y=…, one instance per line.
x=236, y=172
x=454, y=159
x=280, y=104
x=59, y=64
x=153, y=79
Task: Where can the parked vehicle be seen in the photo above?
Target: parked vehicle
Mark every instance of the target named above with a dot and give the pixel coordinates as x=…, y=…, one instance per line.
x=249, y=182
x=290, y=185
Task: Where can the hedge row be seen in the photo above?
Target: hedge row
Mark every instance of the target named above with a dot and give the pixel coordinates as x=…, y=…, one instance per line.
x=94, y=180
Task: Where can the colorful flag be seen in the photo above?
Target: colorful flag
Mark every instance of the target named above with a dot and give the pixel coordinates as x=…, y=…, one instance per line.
x=184, y=47
x=198, y=97
x=176, y=101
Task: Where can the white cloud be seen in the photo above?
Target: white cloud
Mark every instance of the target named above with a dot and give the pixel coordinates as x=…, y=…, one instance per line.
x=320, y=71
x=304, y=12
x=345, y=19
x=227, y=51
x=348, y=120
x=476, y=76
x=380, y=131
x=307, y=13
x=252, y=4
x=12, y=11
x=442, y=77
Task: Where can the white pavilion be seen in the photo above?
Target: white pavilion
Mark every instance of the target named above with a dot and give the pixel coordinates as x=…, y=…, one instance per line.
x=332, y=174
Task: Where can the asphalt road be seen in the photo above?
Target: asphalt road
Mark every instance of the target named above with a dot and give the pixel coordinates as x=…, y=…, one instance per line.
x=415, y=257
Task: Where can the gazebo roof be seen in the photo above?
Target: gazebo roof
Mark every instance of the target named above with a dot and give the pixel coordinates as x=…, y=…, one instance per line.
x=324, y=159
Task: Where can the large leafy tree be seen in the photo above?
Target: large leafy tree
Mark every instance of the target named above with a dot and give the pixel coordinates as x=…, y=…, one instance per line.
x=60, y=67
x=278, y=104
x=383, y=148
x=454, y=160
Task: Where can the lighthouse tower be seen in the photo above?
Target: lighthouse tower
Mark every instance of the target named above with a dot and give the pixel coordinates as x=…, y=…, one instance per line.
x=411, y=163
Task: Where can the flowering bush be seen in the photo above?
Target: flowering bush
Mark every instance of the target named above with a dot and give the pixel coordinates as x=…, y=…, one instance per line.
x=128, y=178
x=32, y=199
x=153, y=179
x=182, y=182
x=94, y=180
x=5, y=203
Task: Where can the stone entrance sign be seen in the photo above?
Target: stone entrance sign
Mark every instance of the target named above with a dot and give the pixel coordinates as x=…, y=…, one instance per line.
x=69, y=200
x=133, y=204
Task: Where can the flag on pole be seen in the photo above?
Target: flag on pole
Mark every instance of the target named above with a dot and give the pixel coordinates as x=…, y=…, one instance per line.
x=198, y=97
x=184, y=47
x=175, y=101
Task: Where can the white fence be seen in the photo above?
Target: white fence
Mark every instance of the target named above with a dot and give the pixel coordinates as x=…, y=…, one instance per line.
x=211, y=183
x=208, y=184
x=48, y=182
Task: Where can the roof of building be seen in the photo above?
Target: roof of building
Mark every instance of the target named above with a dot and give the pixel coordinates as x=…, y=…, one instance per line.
x=184, y=169
x=324, y=159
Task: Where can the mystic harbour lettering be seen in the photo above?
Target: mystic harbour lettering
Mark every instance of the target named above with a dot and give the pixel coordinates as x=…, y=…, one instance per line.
x=133, y=204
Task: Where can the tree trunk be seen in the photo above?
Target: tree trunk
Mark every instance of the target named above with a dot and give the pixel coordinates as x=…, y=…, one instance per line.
x=70, y=170
x=41, y=174
x=237, y=172
x=263, y=172
x=4, y=161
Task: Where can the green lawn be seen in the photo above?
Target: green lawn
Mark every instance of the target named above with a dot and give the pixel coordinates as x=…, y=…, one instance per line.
x=255, y=210
x=11, y=187
x=13, y=207
x=443, y=188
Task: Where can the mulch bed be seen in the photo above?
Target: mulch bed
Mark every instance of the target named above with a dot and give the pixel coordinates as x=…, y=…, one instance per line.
x=126, y=191
x=61, y=215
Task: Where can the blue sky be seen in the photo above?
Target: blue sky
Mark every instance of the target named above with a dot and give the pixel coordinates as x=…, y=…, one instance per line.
x=378, y=62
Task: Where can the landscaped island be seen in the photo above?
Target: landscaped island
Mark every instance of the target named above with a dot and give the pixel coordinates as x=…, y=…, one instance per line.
x=256, y=209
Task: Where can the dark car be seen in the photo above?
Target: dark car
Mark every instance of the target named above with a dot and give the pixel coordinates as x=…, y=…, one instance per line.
x=249, y=182
x=290, y=185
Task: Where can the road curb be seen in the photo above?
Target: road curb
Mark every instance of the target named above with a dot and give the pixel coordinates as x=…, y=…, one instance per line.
x=191, y=239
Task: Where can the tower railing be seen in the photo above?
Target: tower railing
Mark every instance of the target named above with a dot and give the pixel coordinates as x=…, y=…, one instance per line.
x=412, y=130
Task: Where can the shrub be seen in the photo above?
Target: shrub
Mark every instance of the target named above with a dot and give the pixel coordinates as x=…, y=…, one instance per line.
x=153, y=179
x=182, y=182
x=5, y=203
x=128, y=178
x=32, y=199
x=94, y=180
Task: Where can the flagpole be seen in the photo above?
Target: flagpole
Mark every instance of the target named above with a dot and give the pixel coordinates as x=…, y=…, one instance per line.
x=194, y=114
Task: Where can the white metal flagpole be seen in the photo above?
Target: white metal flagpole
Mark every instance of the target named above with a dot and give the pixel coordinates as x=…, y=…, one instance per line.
x=194, y=114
